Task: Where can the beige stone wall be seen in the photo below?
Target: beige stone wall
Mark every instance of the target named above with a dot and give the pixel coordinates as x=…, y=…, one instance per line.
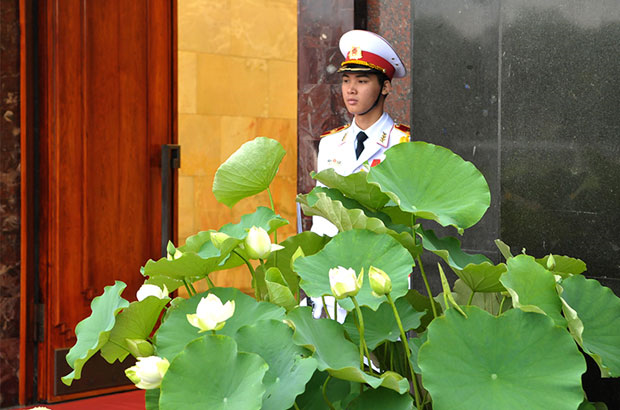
x=237, y=65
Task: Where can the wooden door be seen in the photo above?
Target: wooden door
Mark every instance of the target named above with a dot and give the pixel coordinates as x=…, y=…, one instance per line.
x=106, y=107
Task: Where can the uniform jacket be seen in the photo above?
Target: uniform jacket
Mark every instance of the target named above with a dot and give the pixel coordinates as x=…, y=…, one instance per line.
x=337, y=151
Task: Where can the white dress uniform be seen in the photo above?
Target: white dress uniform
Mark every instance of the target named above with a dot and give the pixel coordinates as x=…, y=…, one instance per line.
x=363, y=52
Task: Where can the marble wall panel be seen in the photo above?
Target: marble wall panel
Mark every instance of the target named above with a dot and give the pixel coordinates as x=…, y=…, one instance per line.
x=529, y=92
x=391, y=19
x=319, y=103
x=455, y=94
x=9, y=201
x=560, y=131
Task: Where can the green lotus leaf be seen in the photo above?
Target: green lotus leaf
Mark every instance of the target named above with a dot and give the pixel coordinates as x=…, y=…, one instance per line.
x=195, y=242
x=151, y=399
x=277, y=289
x=564, y=265
x=518, y=360
x=380, y=325
x=263, y=217
x=248, y=171
x=598, y=309
x=382, y=399
x=354, y=186
x=486, y=301
x=397, y=215
x=503, y=248
x=347, y=219
x=290, y=368
x=357, y=249
x=484, y=277
x=208, y=374
x=414, y=346
x=176, y=332
x=191, y=266
x=335, y=353
x=422, y=303
x=348, y=203
x=476, y=270
x=162, y=280
x=586, y=405
x=94, y=331
x=310, y=244
x=337, y=391
x=433, y=183
x=135, y=322
x=532, y=288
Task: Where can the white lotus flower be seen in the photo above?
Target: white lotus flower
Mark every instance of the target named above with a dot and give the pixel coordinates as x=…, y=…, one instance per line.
x=258, y=244
x=148, y=372
x=344, y=283
x=147, y=290
x=380, y=282
x=211, y=314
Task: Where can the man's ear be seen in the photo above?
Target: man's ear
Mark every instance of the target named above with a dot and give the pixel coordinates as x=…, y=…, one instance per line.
x=387, y=87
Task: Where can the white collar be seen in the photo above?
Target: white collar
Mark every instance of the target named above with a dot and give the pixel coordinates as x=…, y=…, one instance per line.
x=374, y=131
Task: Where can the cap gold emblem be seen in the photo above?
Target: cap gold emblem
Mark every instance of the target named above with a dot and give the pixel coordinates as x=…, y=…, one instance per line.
x=355, y=53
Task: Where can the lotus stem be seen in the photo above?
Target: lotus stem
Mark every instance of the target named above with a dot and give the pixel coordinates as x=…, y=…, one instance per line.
x=189, y=290
x=324, y=391
x=273, y=208
x=471, y=297
x=403, y=339
x=325, y=307
x=363, y=347
x=336, y=310
x=252, y=273
x=428, y=288
x=501, y=305
x=210, y=283
x=296, y=406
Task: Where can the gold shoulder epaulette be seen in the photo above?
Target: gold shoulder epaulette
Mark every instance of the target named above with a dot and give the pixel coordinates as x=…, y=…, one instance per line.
x=403, y=128
x=335, y=130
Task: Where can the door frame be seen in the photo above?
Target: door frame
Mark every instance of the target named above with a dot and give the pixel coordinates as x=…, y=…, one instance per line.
x=35, y=74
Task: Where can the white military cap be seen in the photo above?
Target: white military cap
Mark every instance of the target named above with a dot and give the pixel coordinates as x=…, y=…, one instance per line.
x=360, y=47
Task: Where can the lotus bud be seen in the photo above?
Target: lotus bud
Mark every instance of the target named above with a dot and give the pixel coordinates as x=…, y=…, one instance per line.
x=139, y=347
x=218, y=238
x=551, y=262
x=147, y=290
x=258, y=244
x=380, y=282
x=148, y=372
x=343, y=282
x=211, y=314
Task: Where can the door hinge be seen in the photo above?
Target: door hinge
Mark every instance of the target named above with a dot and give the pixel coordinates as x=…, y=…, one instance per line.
x=39, y=326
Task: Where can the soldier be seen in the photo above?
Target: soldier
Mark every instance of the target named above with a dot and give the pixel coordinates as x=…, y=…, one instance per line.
x=369, y=66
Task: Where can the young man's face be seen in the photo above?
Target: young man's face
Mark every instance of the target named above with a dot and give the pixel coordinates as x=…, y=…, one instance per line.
x=360, y=91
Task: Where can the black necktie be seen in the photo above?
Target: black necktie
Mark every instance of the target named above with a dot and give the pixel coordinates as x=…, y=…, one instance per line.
x=361, y=137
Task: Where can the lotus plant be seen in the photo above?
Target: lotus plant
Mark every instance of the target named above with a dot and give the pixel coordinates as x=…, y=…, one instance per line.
x=511, y=327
